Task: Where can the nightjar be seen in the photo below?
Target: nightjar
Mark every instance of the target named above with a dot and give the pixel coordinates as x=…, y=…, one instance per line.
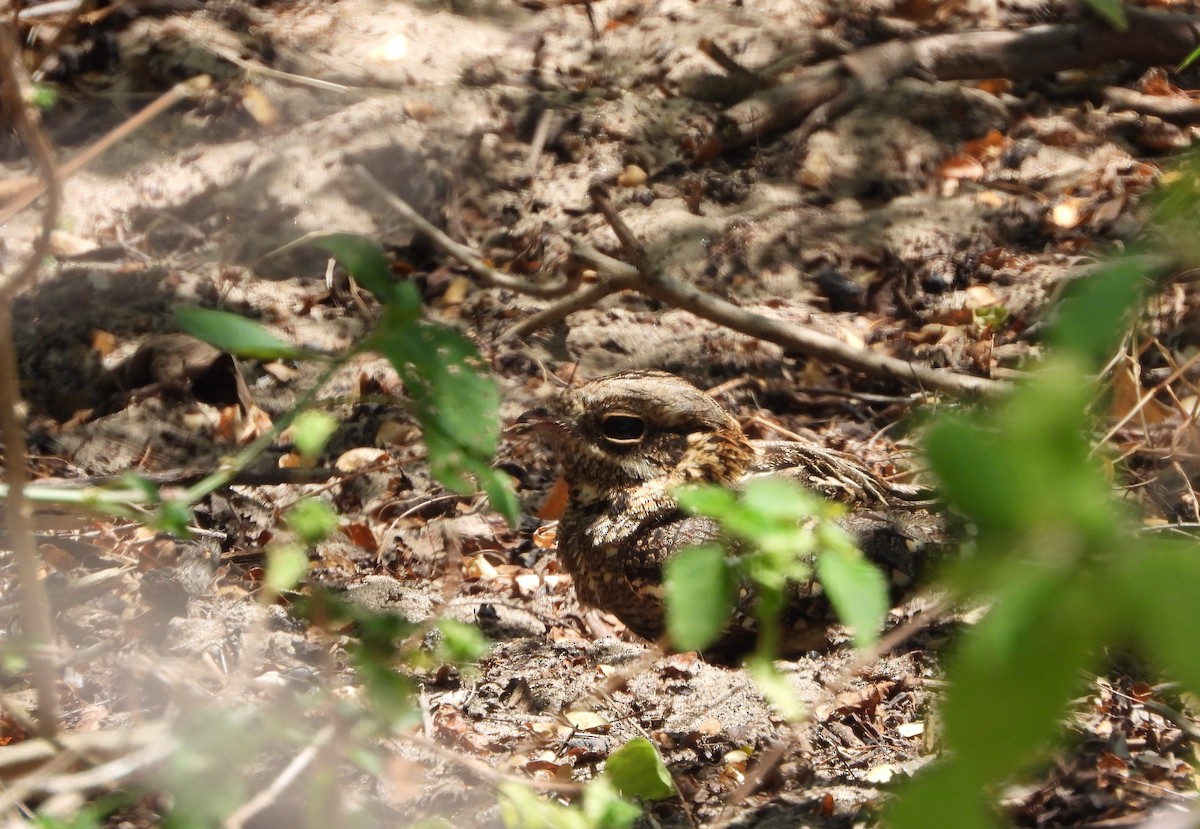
x=627, y=440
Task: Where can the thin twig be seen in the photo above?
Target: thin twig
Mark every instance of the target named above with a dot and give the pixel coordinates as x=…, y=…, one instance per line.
x=271, y=793
x=657, y=284
x=181, y=91
x=18, y=512
x=461, y=252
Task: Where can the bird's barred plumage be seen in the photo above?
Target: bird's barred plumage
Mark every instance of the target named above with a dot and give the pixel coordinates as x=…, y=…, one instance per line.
x=626, y=441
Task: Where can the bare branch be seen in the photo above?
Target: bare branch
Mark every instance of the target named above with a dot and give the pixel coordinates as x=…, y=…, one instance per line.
x=1151, y=38
x=28, y=191
x=462, y=253
x=679, y=294
x=19, y=513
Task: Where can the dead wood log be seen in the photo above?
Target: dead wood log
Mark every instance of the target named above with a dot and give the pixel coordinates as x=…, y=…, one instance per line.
x=817, y=93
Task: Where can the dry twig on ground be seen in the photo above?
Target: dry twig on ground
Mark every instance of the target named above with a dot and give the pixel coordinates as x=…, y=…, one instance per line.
x=820, y=92
x=614, y=276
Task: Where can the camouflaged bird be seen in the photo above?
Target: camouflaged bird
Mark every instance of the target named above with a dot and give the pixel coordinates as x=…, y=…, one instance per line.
x=627, y=440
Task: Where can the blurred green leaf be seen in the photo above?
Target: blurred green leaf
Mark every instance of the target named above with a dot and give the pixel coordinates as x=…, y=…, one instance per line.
x=237, y=335
x=390, y=693
x=637, y=770
x=173, y=516
x=1160, y=583
x=1111, y=12
x=1027, y=467
x=363, y=258
x=499, y=490
x=944, y=795
x=311, y=430
x=312, y=520
x=453, y=399
x=1016, y=671
x=858, y=591
x=775, y=688
x=713, y=501
x=286, y=565
x=1092, y=312
x=602, y=808
x=460, y=642
x=700, y=591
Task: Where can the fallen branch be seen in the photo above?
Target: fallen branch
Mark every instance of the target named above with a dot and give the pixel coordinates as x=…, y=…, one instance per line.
x=1151, y=38
x=615, y=275
x=462, y=253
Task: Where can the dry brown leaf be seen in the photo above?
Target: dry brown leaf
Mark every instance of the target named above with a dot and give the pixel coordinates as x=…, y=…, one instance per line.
x=961, y=166
x=556, y=501
x=456, y=291
x=980, y=296
x=358, y=458
x=545, y=538
x=632, y=176
x=587, y=721
x=478, y=568
x=361, y=536
x=527, y=584
x=995, y=86
x=1126, y=395
x=281, y=371
x=259, y=106
x=395, y=433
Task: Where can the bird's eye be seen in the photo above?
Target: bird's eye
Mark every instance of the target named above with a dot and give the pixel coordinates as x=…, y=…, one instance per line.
x=623, y=428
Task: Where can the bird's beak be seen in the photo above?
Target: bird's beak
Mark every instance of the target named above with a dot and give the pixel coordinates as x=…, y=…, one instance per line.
x=539, y=421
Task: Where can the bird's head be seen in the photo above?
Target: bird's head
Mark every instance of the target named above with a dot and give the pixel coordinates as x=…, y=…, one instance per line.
x=637, y=427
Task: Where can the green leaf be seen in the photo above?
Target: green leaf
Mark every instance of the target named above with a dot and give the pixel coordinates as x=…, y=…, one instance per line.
x=1111, y=12
x=711, y=500
x=311, y=430
x=604, y=808
x=391, y=693
x=520, y=808
x=369, y=265
x=286, y=565
x=43, y=97
x=1160, y=584
x=497, y=485
x=775, y=688
x=1189, y=60
x=1027, y=467
x=236, y=334
x=637, y=770
x=147, y=488
x=700, y=591
x=312, y=520
x=363, y=258
x=1093, y=311
x=945, y=795
x=460, y=642
x=857, y=590
x=779, y=501
x=455, y=402
x=1014, y=674
x=174, y=517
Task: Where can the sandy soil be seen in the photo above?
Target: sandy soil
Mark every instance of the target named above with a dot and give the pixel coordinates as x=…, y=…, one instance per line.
x=886, y=228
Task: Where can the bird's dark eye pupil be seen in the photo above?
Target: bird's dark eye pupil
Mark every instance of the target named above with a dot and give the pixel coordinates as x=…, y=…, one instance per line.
x=623, y=428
